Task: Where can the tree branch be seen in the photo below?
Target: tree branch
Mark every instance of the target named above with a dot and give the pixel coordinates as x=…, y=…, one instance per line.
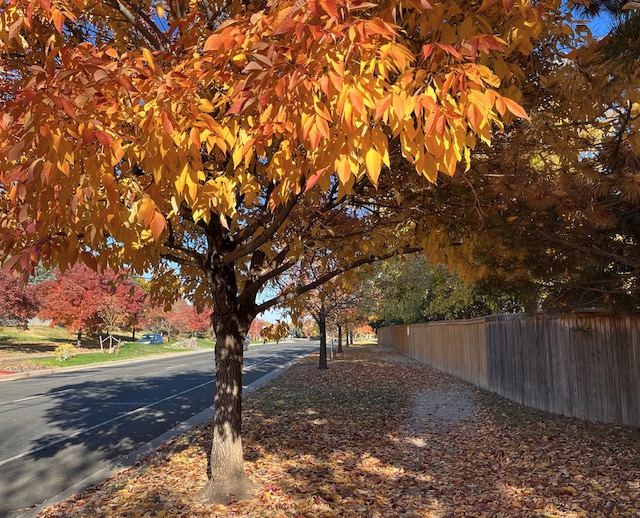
x=300, y=290
x=277, y=221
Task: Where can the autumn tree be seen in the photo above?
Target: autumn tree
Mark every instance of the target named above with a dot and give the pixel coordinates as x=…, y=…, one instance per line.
x=551, y=211
x=112, y=317
x=18, y=304
x=256, y=326
x=219, y=144
x=84, y=301
x=325, y=302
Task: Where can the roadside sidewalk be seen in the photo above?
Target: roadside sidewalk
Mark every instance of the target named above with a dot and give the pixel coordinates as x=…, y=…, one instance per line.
x=378, y=435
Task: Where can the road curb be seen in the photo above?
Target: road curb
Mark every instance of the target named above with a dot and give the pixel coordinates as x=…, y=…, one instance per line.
x=131, y=458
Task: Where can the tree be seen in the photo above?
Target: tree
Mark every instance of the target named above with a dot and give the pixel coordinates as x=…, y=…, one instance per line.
x=256, y=326
x=85, y=301
x=325, y=302
x=112, y=316
x=18, y=304
x=556, y=217
x=135, y=301
x=412, y=289
x=217, y=144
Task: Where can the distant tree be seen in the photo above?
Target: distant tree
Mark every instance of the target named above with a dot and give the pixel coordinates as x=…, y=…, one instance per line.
x=135, y=300
x=256, y=327
x=181, y=318
x=113, y=316
x=81, y=299
x=18, y=304
x=41, y=274
x=411, y=289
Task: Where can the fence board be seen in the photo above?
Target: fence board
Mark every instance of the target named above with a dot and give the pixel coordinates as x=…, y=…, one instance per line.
x=583, y=365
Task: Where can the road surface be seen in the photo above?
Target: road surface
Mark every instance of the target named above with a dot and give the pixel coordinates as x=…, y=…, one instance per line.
x=56, y=430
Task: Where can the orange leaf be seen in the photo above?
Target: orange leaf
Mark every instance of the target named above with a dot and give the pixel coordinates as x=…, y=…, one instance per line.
x=166, y=123
x=330, y=7
x=474, y=117
x=515, y=108
x=58, y=19
x=158, y=224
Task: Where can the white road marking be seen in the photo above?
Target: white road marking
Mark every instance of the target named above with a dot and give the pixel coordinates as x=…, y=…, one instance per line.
x=117, y=418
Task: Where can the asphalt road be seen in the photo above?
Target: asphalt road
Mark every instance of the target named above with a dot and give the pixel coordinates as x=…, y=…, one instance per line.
x=56, y=430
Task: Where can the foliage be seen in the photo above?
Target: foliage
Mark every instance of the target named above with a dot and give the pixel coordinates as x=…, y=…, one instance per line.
x=411, y=289
x=256, y=326
x=86, y=301
x=181, y=318
x=550, y=213
x=65, y=351
x=221, y=144
x=274, y=332
x=18, y=304
x=344, y=443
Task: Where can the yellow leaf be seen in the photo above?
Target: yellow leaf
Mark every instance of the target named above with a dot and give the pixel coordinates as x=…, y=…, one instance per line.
x=373, y=162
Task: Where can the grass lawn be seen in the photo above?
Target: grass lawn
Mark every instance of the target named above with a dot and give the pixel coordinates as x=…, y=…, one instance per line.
x=35, y=339
x=128, y=351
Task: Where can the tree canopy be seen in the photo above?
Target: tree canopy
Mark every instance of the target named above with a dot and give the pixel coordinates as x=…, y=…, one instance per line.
x=220, y=144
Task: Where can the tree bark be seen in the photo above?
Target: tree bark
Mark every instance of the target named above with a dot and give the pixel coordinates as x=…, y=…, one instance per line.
x=79, y=338
x=340, y=339
x=228, y=480
x=322, y=324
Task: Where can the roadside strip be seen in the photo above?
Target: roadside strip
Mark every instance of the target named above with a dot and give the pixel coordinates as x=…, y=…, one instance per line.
x=148, y=448
x=62, y=370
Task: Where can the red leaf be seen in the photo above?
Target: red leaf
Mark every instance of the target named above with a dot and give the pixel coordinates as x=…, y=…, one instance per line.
x=313, y=179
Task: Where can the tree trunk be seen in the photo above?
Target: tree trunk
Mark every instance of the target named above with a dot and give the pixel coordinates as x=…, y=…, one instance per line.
x=340, y=339
x=322, y=324
x=346, y=335
x=79, y=338
x=133, y=334
x=228, y=479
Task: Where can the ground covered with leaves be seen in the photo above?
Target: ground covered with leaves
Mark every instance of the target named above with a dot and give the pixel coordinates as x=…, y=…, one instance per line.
x=376, y=436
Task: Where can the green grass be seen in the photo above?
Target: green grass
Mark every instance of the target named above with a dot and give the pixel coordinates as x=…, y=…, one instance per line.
x=35, y=334
x=128, y=351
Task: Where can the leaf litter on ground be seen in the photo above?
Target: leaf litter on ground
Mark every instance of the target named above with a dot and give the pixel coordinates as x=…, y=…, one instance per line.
x=353, y=441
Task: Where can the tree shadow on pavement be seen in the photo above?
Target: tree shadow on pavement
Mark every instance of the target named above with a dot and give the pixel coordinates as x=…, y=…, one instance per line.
x=336, y=443
x=92, y=423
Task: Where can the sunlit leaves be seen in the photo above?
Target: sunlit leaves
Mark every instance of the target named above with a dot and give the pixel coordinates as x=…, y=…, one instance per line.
x=123, y=143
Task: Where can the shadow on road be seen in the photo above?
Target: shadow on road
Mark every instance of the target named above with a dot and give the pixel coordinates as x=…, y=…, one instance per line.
x=93, y=422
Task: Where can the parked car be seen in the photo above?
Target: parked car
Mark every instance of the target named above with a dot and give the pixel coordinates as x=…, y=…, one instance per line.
x=151, y=338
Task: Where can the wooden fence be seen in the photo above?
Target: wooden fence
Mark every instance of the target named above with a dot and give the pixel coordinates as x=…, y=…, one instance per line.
x=582, y=365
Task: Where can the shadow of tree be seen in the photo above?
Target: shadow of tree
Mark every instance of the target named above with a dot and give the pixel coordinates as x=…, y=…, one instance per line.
x=335, y=443
x=92, y=423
